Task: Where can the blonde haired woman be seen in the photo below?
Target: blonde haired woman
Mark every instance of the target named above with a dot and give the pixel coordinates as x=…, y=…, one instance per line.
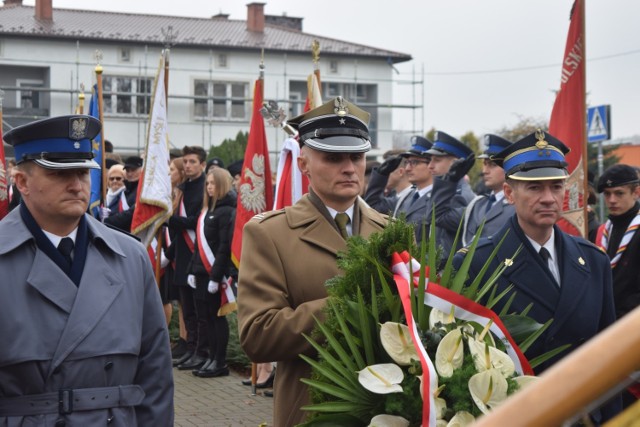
x=211, y=266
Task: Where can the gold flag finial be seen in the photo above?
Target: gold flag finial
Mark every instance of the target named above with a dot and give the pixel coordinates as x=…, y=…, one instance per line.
x=97, y=55
x=315, y=51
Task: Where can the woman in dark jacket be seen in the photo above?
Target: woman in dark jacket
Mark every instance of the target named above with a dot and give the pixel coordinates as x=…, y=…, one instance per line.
x=211, y=266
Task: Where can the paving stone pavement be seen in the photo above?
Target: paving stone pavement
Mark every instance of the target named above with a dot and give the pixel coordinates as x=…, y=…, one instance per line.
x=218, y=402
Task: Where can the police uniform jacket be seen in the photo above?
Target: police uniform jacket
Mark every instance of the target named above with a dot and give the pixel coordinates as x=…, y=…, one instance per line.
x=100, y=347
x=287, y=256
x=450, y=198
x=192, y=194
x=494, y=219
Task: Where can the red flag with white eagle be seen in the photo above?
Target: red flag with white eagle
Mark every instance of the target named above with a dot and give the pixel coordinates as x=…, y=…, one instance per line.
x=568, y=123
x=255, y=193
x=153, y=201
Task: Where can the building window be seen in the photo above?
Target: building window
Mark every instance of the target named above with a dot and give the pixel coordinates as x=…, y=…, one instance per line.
x=126, y=95
x=333, y=67
x=221, y=100
x=124, y=54
x=28, y=98
x=222, y=60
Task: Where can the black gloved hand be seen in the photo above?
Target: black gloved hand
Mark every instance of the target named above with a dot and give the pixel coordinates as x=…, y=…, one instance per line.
x=459, y=168
x=389, y=165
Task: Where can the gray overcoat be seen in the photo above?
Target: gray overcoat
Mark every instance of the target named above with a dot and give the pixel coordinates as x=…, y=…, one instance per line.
x=93, y=355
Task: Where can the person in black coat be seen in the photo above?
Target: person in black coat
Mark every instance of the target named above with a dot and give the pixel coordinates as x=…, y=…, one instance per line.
x=211, y=265
x=122, y=217
x=182, y=225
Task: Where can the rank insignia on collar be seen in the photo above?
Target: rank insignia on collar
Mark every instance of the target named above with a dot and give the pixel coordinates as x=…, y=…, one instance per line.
x=508, y=262
x=78, y=128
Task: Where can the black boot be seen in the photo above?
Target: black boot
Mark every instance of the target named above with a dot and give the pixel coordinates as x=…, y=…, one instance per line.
x=188, y=355
x=195, y=362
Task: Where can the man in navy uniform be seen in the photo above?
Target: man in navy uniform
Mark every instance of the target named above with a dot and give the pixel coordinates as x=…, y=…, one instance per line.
x=84, y=336
x=451, y=160
x=411, y=203
x=491, y=208
x=565, y=278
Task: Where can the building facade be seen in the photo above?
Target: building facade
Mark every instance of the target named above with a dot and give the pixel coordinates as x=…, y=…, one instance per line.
x=48, y=55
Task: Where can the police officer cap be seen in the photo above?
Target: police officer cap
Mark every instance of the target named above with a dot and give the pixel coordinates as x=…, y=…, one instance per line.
x=535, y=157
x=446, y=145
x=617, y=176
x=494, y=145
x=336, y=127
x=133, y=162
x=419, y=147
x=56, y=143
x=235, y=168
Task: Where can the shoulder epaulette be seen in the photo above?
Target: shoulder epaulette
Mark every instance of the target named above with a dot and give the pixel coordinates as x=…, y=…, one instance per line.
x=266, y=215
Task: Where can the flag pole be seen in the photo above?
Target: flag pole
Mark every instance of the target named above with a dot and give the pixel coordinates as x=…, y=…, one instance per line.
x=254, y=365
x=98, y=70
x=315, y=53
x=585, y=156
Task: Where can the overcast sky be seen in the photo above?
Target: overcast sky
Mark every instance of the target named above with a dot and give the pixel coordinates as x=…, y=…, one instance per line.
x=485, y=62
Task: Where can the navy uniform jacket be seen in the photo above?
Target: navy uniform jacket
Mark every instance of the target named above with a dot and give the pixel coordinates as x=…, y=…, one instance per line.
x=450, y=200
x=476, y=212
x=581, y=307
x=109, y=331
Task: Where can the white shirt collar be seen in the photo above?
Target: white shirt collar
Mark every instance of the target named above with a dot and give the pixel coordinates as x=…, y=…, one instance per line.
x=55, y=239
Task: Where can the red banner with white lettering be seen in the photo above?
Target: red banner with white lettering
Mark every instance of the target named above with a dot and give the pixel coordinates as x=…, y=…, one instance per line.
x=568, y=122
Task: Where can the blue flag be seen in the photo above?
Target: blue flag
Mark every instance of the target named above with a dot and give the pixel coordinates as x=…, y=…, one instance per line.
x=96, y=174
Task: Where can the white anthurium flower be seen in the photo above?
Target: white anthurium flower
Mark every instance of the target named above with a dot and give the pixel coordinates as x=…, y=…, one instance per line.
x=449, y=354
x=461, y=419
x=396, y=340
x=441, y=407
x=525, y=380
x=441, y=423
x=487, y=357
x=439, y=316
x=388, y=421
x=384, y=378
x=488, y=389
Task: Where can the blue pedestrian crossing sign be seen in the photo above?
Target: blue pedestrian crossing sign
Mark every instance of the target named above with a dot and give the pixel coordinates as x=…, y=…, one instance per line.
x=598, y=123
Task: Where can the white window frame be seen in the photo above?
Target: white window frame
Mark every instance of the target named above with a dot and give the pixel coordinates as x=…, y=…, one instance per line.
x=111, y=96
x=124, y=55
x=229, y=101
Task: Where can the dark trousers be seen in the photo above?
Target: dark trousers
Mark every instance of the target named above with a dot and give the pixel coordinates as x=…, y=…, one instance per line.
x=207, y=306
x=197, y=341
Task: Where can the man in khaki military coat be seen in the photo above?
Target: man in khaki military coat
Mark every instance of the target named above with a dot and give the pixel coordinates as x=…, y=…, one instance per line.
x=287, y=255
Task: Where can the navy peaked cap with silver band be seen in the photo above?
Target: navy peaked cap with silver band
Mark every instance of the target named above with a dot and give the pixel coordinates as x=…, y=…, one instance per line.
x=494, y=144
x=63, y=142
x=336, y=127
x=538, y=156
x=446, y=145
x=419, y=147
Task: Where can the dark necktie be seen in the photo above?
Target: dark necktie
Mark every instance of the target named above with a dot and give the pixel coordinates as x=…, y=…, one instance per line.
x=342, y=219
x=414, y=198
x=65, y=247
x=544, y=253
x=492, y=200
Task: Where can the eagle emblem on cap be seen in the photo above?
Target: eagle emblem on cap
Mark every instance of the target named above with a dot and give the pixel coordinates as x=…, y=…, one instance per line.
x=78, y=128
x=541, y=144
x=340, y=106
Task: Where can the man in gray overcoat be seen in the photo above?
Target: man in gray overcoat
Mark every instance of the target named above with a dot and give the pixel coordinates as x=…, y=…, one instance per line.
x=84, y=339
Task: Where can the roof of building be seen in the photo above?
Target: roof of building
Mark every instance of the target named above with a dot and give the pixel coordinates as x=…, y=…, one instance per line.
x=215, y=32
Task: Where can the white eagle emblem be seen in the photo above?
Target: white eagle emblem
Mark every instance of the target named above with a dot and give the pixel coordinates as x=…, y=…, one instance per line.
x=252, y=195
x=79, y=129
